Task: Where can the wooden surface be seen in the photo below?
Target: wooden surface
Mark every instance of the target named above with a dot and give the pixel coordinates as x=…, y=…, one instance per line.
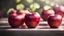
x=42, y=29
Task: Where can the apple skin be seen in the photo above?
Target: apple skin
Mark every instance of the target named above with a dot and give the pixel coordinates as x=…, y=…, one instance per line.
x=54, y=21
x=32, y=19
x=16, y=19
x=46, y=13
x=1, y=13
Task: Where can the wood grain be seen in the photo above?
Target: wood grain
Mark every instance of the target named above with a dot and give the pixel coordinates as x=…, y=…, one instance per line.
x=42, y=29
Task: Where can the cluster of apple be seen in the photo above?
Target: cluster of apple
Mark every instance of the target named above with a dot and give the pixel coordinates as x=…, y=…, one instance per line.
x=53, y=16
x=18, y=17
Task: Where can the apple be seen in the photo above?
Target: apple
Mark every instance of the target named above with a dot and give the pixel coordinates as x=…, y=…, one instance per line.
x=46, y=13
x=32, y=19
x=58, y=9
x=54, y=21
x=1, y=13
x=62, y=10
x=16, y=18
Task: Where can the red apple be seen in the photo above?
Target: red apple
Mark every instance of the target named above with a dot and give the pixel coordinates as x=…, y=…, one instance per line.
x=62, y=10
x=46, y=13
x=57, y=8
x=54, y=21
x=1, y=13
x=16, y=19
x=32, y=19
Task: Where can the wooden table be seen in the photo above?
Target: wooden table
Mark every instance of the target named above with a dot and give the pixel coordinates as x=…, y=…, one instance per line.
x=42, y=29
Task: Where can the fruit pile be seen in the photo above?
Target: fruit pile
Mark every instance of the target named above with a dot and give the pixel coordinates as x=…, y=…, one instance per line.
x=18, y=17
x=53, y=16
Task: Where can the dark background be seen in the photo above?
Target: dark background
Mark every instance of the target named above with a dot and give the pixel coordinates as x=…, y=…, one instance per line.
x=5, y=5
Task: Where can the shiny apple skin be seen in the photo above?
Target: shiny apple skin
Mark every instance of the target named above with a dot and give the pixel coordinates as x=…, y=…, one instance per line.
x=15, y=19
x=46, y=13
x=54, y=21
x=32, y=20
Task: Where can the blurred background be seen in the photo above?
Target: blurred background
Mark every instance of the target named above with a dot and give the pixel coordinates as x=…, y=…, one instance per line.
x=36, y=5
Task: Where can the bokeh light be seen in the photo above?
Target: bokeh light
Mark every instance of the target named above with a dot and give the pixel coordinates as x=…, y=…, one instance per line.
x=10, y=10
x=17, y=1
x=29, y=1
x=34, y=6
x=20, y=6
